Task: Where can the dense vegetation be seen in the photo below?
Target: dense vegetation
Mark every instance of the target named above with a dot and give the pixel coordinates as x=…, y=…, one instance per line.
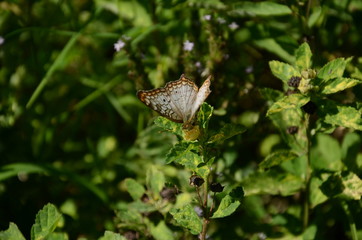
x=275, y=152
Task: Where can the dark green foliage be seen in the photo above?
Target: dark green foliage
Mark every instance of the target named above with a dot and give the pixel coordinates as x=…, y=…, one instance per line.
x=280, y=133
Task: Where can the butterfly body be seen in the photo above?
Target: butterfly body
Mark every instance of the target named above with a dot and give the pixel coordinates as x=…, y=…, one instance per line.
x=178, y=101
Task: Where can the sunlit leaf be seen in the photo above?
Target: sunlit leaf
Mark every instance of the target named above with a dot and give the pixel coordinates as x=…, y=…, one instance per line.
x=326, y=154
x=345, y=185
x=12, y=233
x=292, y=101
x=273, y=183
x=129, y=214
x=161, y=232
x=276, y=158
x=45, y=222
x=57, y=236
x=271, y=94
x=187, y=218
x=228, y=205
x=227, y=131
x=303, y=57
x=186, y=154
x=316, y=196
x=283, y=71
x=340, y=115
x=168, y=125
x=135, y=189
x=204, y=114
x=339, y=84
x=155, y=180
x=108, y=235
x=271, y=45
x=262, y=9
x=333, y=69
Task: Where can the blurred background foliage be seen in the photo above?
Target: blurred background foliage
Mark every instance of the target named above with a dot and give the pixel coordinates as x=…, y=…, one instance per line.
x=72, y=129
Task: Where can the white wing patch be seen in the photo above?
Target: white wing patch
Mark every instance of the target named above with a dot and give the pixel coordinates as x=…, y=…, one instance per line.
x=178, y=101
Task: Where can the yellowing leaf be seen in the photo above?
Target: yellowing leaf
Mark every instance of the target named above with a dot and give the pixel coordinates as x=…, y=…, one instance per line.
x=303, y=57
x=339, y=84
x=283, y=71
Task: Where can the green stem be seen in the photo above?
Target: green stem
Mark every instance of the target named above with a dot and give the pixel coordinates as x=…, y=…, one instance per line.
x=307, y=178
x=205, y=220
x=352, y=224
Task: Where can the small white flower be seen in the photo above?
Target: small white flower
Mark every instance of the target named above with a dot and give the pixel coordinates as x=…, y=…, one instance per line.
x=207, y=17
x=188, y=46
x=249, y=69
x=2, y=40
x=119, y=45
x=221, y=20
x=233, y=25
x=198, y=64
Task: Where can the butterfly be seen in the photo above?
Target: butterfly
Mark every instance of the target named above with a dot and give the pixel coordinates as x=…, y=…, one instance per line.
x=178, y=100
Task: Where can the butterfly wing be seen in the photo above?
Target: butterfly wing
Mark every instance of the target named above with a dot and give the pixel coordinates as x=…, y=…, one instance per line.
x=201, y=96
x=159, y=100
x=182, y=93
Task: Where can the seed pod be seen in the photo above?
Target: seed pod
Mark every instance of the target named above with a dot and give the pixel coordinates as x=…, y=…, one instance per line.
x=216, y=187
x=169, y=193
x=196, y=181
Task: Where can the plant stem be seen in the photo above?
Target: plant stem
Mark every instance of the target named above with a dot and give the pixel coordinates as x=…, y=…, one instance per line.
x=352, y=224
x=205, y=220
x=307, y=177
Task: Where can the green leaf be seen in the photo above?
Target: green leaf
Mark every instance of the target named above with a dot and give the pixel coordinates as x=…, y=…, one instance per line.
x=161, y=232
x=135, y=189
x=11, y=170
x=237, y=193
x=316, y=196
x=339, y=84
x=303, y=57
x=287, y=118
x=271, y=94
x=12, y=233
x=108, y=235
x=326, y=155
x=316, y=15
x=187, y=218
x=45, y=222
x=292, y=101
x=170, y=126
x=333, y=69
x=340, y=115
x=227, y=131
x=262, y=9
x=53, y=67
x=57, y=236
x=344, y=185
x=351, y=146
x=186, y=154
x=129, y=213
x=135, y=12
x=272, y=182
x=283, y=71
x=276, y=158
x=228, y=205
x=155, y=180
x=271, y=45
x=204, y=114
x=310, y=232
